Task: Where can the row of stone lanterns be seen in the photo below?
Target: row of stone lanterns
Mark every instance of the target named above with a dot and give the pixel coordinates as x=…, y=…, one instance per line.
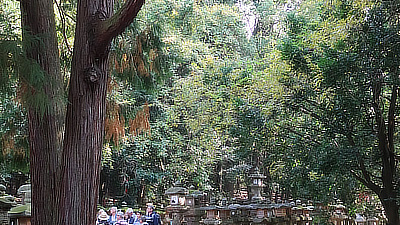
x=189, y=209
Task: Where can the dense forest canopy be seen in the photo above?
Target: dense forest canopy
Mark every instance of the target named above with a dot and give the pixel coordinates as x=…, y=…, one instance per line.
x=205, y=91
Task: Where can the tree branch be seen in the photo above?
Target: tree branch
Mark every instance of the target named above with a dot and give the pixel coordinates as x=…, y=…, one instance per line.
x=322, y=119
x=375, y=188
x=63, y=22
x=112, y=27
x=306, y=137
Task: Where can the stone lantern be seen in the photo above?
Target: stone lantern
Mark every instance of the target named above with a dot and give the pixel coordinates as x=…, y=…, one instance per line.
x=175, y=211
x=25, y=191
x=256, y=185
x=339, y=209
x=6, y=203
x=193, y=202
x=177, y=194
x=21, y=214
x=373, y=221
x=360, y=220
x=212, y=216
x=339, y=215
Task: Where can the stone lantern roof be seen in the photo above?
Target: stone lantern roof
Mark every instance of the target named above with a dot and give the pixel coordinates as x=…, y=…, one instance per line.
x=6, y=201
x=257, y=174
x=339, y=206
x=360, y=219
x=23, y=210
x=20, y=211
x=177, y=190
x=2, y=189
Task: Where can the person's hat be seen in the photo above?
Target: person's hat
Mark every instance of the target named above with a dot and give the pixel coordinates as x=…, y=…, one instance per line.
x=129, y=210
x=103, y=216
x=150, y=206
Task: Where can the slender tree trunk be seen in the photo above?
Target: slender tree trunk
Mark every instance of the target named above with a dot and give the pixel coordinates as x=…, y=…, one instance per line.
x=385, y=133
x=45, y=127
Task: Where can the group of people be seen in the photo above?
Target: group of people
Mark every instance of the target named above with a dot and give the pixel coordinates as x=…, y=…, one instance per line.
x=115, y=217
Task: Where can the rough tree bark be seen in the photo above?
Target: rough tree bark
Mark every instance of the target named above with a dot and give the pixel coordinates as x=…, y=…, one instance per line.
x=95, y=29
x=69, y=195
x=45, y=128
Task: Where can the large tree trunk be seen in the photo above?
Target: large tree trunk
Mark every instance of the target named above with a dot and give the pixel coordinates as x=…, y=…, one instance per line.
x=85, y=118
x=45, y=121
x=86, y=109
x=391, y=210
x=69, y=196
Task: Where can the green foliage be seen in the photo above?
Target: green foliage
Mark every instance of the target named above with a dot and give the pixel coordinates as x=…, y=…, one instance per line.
x=138, y=56
x=14, y=155
x=9, y=53
x=182, y=143
x=333, y=89
x=65, y=12
x=16, y=67
x=10, y=48
x=291, y=95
